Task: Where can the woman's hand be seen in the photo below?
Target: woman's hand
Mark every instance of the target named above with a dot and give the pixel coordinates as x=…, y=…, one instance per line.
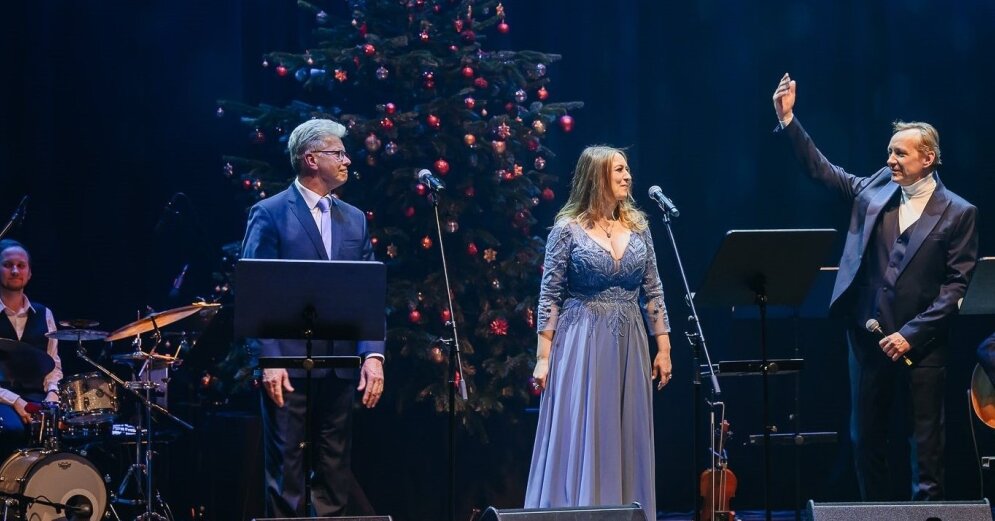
x=540, y=373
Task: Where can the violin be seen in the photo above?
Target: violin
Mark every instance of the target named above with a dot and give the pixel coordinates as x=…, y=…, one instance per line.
x=717, y=485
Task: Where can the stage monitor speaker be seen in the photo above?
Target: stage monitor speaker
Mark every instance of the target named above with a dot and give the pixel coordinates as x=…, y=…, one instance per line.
x=917, y=511
x=346, y=518
x=631, y=512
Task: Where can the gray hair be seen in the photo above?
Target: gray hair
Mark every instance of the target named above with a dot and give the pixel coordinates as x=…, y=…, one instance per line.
x=310, y=134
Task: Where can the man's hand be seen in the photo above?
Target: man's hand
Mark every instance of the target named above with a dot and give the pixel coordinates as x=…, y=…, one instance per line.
x=894, y=346
x=784, y=99
x=275, y=382
x=19, y=405
x=371, y=381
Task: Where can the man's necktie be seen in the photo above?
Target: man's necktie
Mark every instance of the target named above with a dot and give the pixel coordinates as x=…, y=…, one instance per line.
x=326, y=224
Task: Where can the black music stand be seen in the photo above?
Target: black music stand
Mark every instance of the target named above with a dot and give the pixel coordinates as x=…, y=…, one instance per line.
x=327, y=300
x=765, y=267
x=978, y=300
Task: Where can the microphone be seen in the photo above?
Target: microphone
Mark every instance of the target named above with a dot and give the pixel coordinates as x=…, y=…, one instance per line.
x=874, y=327
x=433, y=183
x=178, y=281
x=20, y=211
x=663, y=201
x=168, y=213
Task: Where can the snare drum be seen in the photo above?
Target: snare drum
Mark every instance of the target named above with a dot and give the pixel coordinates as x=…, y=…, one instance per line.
x=56, y=477
x=88, y=398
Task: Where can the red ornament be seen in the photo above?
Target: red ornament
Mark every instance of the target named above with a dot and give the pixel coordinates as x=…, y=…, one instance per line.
x=441, y=166
x=362, y=29
x=369, y=215
x=470, y=191
x=445, y=315
x=426, y=242
x=281, y=70
x=470, y=102
x=433, y=121
x=369, y=49
x=467, y=72
x=499, y=326
x=499, y=146
x=548, y=194
x=436, y=355
x=471, y=249
x=458, y=25
x=390, y=108
x=414, y=316
x=480, y=83
x=470, y=140
x=421, y=189
x=386, y=123
x=409, y=212
x=510, y=107
x=503, y=27
x=468, y=36
x=567, y=122
x=542, y=93
x=424, y=36
x=521, y=217
x=532, y=144
x=247, y=184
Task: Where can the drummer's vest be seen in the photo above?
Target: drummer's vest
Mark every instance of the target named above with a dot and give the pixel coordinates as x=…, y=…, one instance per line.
x=34, y=334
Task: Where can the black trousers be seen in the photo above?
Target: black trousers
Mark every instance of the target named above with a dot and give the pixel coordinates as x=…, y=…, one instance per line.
x=283, y=432
x=877, y=387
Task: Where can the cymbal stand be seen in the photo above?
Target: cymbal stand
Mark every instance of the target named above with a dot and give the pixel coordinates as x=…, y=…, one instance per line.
x=143, y=459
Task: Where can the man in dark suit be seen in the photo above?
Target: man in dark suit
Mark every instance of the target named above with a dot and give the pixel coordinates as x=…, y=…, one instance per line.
x=910, y=250
x=307, y=222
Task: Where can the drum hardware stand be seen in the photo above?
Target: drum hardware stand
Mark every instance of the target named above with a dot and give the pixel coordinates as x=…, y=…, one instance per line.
x=149, y=405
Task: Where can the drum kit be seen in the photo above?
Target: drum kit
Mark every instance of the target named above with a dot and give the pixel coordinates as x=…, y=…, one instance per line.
x=52, y=479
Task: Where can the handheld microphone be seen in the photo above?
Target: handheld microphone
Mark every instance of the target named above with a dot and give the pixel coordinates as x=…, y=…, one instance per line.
x=663, y=201
x=433, y=183
x=178, y=281
x=874, y=327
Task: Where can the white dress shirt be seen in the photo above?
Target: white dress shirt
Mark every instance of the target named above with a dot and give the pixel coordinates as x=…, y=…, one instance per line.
x=19, y=318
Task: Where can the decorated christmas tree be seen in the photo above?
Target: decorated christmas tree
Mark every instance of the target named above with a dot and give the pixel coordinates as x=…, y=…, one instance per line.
x=417, y=87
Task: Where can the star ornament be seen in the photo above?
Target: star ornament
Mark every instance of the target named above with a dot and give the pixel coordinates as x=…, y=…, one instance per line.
x=490, y=254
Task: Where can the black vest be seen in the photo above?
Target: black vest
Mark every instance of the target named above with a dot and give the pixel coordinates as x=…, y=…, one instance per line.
x=34, y=334
x=885, y=251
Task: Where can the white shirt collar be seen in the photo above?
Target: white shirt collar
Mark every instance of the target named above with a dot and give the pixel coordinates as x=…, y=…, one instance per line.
x=921, y=188
x=14, y=312
x=310, y=196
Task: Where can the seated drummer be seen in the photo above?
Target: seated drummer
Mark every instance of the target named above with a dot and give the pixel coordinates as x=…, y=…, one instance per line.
x=27, y=322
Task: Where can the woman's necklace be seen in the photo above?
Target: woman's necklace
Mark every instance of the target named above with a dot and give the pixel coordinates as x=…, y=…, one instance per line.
x=608, y=229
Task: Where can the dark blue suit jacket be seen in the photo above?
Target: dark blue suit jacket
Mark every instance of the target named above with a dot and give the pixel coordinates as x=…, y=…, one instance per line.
x=281, y=227
x=925, y=288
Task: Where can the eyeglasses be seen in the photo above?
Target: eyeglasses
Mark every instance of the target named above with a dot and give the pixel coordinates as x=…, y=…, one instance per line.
x=337, y=154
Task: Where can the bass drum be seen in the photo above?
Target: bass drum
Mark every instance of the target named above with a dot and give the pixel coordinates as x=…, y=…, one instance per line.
x=57, y=477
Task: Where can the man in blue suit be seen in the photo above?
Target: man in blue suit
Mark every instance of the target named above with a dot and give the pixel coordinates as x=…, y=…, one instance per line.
x=307, y=222
x=910, y=250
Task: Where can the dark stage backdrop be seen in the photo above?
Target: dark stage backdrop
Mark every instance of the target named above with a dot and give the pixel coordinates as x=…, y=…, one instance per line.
x=108, y=109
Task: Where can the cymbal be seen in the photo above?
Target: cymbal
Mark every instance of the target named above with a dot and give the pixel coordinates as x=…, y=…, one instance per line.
x=142, y=356
x=78, y=335
x=21, y=361
x=79, y=323
x=160, y=319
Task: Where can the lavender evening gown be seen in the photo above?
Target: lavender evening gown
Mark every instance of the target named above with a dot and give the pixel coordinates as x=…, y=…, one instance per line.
x=594, y=442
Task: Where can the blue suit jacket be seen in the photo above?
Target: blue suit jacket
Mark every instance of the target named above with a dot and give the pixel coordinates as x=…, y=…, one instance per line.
x=281, y=227
x=924, y=289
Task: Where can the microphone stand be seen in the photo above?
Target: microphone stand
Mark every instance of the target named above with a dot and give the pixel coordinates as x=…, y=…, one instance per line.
x=16, y=218
x=455, y=377
x=696, y=337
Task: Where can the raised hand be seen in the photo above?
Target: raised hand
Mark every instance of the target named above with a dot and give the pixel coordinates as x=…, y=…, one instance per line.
x=784, y=98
